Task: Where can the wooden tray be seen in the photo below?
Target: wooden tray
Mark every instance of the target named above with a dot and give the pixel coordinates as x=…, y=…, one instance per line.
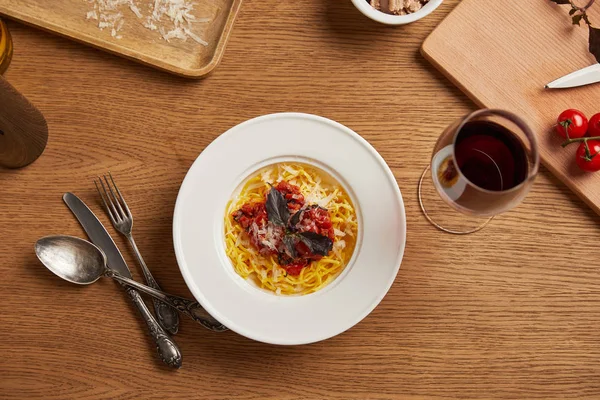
x=501, y=53
x=189, y=58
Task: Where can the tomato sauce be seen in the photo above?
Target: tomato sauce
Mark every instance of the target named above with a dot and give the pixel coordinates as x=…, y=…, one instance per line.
x=293, y=250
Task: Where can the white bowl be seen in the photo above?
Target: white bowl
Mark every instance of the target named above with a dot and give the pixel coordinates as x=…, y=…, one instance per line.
x=198, y=228
x=376, y=15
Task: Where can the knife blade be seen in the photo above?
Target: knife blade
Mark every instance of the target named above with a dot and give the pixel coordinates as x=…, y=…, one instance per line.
x=166, y=347
x=584, y=76
x=97, y=234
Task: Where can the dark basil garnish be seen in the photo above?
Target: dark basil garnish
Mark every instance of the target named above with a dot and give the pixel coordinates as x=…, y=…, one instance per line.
x=277, y=209
x=290, y=242
x=279, y=214
x=317, y=244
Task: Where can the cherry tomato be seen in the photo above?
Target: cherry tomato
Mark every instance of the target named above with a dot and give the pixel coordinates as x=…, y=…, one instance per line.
x=591, y=162
x=594, y=125
x=572, y=121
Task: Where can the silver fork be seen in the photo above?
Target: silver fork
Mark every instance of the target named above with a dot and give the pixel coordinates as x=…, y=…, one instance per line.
x=122, y=220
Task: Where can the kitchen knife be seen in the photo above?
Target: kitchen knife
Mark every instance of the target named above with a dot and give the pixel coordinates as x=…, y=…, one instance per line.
x=584, y=76
x=166, y=347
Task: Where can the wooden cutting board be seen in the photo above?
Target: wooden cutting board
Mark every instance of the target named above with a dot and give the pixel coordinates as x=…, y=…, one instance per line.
x=501, y=53
x=187, y=58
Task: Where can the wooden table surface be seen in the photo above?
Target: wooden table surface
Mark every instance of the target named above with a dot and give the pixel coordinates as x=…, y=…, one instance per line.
x=510, y=312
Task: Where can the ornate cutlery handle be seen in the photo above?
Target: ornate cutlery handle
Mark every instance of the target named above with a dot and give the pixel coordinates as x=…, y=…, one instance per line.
x=167, y=316
x=166, y=347
x=191, y=308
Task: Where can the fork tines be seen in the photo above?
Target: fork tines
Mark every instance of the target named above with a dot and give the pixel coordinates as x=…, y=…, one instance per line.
x=115, y=204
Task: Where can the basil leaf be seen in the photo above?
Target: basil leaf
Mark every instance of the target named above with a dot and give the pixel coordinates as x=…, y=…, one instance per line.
x=290, y=242
x=317, y=244
x=277, y=210
x=283, y=259
x=298, y=215
x=295, y=219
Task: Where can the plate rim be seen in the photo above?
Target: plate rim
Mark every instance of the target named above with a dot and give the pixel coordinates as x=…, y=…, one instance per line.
x=398, y=199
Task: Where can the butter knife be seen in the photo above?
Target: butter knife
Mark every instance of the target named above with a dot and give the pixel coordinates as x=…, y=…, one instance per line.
x=166, y=347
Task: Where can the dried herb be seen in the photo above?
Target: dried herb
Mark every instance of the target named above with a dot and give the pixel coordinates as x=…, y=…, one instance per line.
x=579, y=14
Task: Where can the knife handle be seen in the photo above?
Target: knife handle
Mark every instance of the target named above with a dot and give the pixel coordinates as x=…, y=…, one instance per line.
x=191, y=308
x=166, y=316
x=166, y=347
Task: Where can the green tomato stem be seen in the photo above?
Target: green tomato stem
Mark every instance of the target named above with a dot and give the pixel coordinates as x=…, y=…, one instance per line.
x=583, y=139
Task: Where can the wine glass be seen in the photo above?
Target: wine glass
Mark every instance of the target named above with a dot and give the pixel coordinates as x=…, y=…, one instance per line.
x=482, y=165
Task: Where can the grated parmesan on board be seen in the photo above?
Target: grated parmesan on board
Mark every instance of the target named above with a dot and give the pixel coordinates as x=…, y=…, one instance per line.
x=172, y=19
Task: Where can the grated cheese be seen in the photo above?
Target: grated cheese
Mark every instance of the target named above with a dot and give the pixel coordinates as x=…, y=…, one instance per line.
x=290, y=170
x=338, y=247
x=325, y=201
x=135, y=10
x=265, y=176
x=173, y=19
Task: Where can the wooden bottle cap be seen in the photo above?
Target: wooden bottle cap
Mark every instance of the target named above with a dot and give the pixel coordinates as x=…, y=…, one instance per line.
x=23, y=128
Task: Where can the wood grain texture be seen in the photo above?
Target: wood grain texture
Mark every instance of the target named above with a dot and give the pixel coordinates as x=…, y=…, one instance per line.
x=502, y=58
x=23, y=129
x=511, y=312
x=186, y=58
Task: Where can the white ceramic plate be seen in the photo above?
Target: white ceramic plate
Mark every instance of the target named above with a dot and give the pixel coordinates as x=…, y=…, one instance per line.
x=199, y=240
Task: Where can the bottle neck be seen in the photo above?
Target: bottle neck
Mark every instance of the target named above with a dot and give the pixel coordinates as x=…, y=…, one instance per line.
x=6, y=47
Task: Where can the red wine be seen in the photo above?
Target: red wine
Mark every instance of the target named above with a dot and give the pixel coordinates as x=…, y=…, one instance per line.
x=490, y=156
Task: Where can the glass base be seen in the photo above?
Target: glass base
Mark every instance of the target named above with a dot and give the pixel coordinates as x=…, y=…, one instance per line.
x=441, y=215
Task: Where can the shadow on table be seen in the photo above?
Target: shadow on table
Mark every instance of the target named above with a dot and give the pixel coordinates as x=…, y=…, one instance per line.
x=352, y=30
x=38, y=271
x=230, y=355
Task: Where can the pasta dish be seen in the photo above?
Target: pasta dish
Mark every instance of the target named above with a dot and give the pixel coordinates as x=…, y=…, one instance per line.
x=291, y=229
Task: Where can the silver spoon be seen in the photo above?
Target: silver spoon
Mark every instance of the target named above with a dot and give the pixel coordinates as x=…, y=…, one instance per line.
x=81, y=262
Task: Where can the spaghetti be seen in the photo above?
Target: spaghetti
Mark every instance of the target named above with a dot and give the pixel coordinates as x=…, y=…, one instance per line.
x=324, y=229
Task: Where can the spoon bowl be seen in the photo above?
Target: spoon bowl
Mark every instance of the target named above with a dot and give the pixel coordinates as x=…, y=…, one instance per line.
x=73, y=259
x=79, y=261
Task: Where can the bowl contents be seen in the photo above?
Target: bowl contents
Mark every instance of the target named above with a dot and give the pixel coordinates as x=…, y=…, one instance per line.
x=292, y=229
x=398, y=7
x=172, y=19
